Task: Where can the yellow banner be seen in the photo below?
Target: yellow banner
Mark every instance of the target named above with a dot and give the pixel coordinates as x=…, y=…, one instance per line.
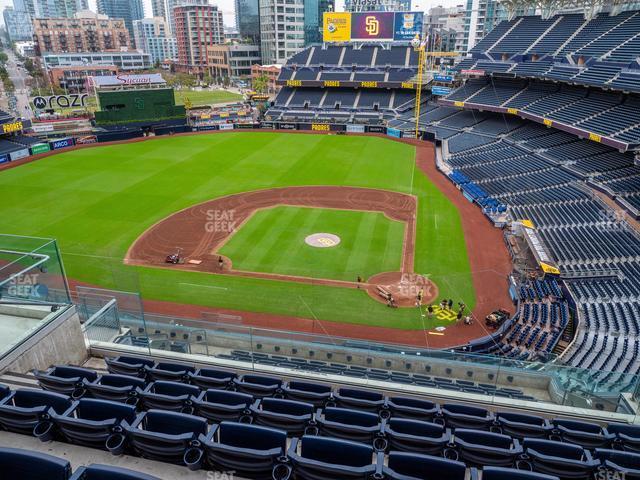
x=546, y=268
x=408, y=85
x=458, y=104
x=336, y=27
x=331, y=83
x=320, y=127
x=12, y=127
x=547, y=122
x=595, y=137
x=294, y=83
x=512, y=111
x=369, y=84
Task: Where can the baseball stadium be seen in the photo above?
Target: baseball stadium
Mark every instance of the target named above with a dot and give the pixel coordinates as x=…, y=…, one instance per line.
x=410, y=264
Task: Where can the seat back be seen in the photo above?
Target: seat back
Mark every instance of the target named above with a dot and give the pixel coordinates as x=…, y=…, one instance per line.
x=35, y=399
x=287, y=407
x=72, y=372
x=106, y=472
x=340, y=452
x=226, y=397
x=252, y=437
x=521, y=418
x=415, y=427
x=360, y=394
x=172, y=389
x=100, y=410
x=465, y=410
x=22, y=464
x=310, y=387
x=351, y=417
x=426, y=466
x=499, y=473
x=261, y=380
x=554, y=449
x=120, y=381
x=578, y=426
x=487, y=439
x=173, y=423
x=626, y=460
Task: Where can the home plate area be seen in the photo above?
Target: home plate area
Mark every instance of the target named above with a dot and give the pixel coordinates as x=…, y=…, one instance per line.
x=404, y=288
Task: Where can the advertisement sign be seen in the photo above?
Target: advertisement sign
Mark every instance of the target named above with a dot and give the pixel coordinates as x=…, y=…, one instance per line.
x=18, y=154
x=42, y=127
x=478, y=73
x=320, y=127
x=394, y=132
x=86, y=140
x=336, y=27
x=62, y=143
x=122, y=79
x=77, y=100
x=287, y=126
x=443, y=78
x=372, y=26
x=376, y=129
x=4, y=159
x=39, y=148
x=245, y=125
x=12, y=127
x=226, y=126
x=355, y=128
x=407, y=25
x=440, y=90
x=202, y=128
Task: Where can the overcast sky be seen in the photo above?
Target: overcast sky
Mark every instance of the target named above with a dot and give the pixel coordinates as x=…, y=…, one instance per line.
x=228, y=6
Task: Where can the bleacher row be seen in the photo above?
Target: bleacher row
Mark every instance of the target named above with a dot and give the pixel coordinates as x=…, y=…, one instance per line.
x=380, y=56
x=602, y=51
x=270, y=428
x=527, y=167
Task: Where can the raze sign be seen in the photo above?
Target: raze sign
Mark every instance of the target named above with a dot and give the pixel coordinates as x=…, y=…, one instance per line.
x=363, y=26
x=73, y=100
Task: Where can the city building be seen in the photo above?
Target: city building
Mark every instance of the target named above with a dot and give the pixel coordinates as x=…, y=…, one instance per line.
x=170, y=5
x=159, y=9
x=480, y=18
x=25, y=49
x=58, y=8
x=124, y=61
x=18, y=24
x=248, y=20
x=28, y=6
x=233, y=61
x=288, y=26
x=446, y=25
x=94, y=33
x=74, y=79
x=377, y=5
x=152, y=36
x=128, y=10
x=269, y=71
x=196, y=28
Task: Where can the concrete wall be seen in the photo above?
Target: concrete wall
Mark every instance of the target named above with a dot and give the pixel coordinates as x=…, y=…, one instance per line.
x=61, y=341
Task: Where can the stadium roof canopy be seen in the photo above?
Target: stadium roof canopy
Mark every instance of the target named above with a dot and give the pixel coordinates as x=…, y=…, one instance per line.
x=548, y=8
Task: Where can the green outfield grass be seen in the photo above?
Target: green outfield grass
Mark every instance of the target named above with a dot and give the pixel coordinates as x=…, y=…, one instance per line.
x=97, y=201
x=206, y=97
x=273, y=241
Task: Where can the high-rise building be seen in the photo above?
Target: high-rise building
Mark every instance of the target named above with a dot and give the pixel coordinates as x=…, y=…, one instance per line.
x=170, y=5
x=84, y=34
x=58, y=8
x=153, y=37
x=446, y=25
x=248, y=19
x=159, y=9
x=232, y=61
x=18, y=24
x=196, y=27
x=128, y=10
x=377, y=5
x=288, y=26
x=481, y=17
x=25, y=6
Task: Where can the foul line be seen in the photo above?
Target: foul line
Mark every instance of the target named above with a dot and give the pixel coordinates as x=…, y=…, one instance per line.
x=203, y=286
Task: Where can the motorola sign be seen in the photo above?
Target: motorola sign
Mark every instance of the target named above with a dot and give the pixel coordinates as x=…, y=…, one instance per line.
x=73, y=100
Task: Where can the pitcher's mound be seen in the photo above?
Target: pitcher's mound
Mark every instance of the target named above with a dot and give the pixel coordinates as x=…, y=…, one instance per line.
x=322, y=240
x=403, y=286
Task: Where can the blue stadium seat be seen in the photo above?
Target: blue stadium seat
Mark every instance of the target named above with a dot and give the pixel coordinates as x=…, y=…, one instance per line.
x=174, y=396
x=353, y=425
x=520, y=425
x=132, y=366
x=167, y=437
x=464, y=416
x=117, y=388
x=501, y=473
x=252, y=451
x=207, y=378
x=106, y=472
x=258, y=385
x=317, y=394
x=65, y=380
x=169, y=372
x=22, y=464
x=321, y=458
x=622, y=464
x=219, y=405
x=360, y=399
x=4, y=391
x=479, y=448
x=585, y=434
x=28, y=411
x=408, y=435
x=415, y=408
x=288, y=415
x=411, y=466
x=625, y=437
x=95, y=423
x=564, y=460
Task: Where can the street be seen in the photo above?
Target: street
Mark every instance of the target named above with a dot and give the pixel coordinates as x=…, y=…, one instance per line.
x=18, y=101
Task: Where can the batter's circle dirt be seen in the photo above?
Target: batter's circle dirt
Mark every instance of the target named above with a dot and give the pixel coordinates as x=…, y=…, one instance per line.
x=404, y=287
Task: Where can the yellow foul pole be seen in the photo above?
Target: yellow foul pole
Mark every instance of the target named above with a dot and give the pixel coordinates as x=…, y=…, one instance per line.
x=421, y=49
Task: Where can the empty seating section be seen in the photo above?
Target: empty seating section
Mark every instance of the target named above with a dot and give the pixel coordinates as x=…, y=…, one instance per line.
x=563, y=27
x=361, y=57
x=314, y=432
x=526, y=32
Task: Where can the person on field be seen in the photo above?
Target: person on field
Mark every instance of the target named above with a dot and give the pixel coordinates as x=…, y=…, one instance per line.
x=450, y=304
x=430, y=311
x=419, y=298
x=359, y=281
x=220, y=262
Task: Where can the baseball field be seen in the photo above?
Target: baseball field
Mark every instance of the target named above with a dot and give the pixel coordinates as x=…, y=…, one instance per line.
x=103, y=203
